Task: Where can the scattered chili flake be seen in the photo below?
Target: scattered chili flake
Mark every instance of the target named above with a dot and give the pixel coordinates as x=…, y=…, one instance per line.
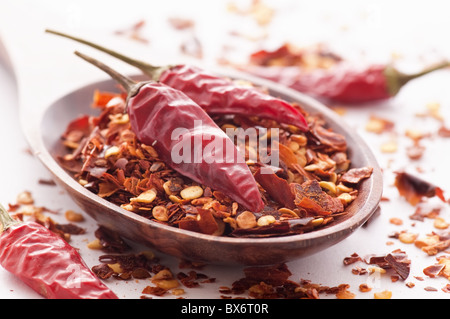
x=446, y=288
x=152, y=290
x=364, y=288
x=415, y=151
x=420, y=214
x=352, y=259
x=359, y=271
x=428, y=288
x=414, y=188
x=379, y=125
x=435, y=248
x=345, y=294
x=444, y=131
x=433, y=270
x=258, y=10
x=48, y=182
x=181, y=23
x=272, y=282
x=110, y=240
x=134, y=32
x=396, y=221
x=355, y=175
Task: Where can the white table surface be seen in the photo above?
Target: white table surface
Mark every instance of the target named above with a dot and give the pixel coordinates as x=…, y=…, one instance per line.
x=44, y=69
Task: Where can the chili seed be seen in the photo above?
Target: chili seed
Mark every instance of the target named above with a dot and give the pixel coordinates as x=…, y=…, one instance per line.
x=376, y=269
x=345, y=294
x=288, y=211
x=113, y=150
x=175, y=199
x=166, y=187
x=246, y=220
x=389, y=147
x=150, y=150
x=407, y=238
x=266, y=220
x=294, y=146
x=116, y=268
x=317, y=222
x=146, y=197
x=25, y=198
x=299, y=139
x=345, y=198
x=386, y=294
x=160, y=213
x=192, y=192
x=328, y=186
x=178, y=291
x=163, y=274
x=344, y=189
x=149, y=255
x=440, y=223
x=73, y=216
x=95, y=244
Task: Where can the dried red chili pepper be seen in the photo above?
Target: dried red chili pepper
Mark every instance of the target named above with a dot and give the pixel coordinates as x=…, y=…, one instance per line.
x=156, y=110
x=46, y=262
x=343, y=82
x=216, y=95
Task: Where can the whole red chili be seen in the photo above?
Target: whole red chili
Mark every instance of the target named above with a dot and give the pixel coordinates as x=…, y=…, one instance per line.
x=46, y=262
x=215, y=94
x=157, y=110
x=340, y=82
x=344, y=82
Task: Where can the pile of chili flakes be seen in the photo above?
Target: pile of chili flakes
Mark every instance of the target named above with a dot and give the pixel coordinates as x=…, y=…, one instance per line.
x=314, y=183
x=258, y=282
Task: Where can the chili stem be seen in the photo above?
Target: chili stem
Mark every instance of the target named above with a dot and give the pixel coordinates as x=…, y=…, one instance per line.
x=150, y=70
x=408, y=77
x=396, y=80
x=126, y=82
x=6, y=220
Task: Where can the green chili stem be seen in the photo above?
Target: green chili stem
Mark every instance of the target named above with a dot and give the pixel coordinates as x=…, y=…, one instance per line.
x=128, y=84
x=408, y=77
x=6, y=220
x=396, y=80
x=150, y=70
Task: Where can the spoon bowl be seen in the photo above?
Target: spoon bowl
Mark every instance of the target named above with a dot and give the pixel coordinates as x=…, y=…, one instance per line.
x=192, y=245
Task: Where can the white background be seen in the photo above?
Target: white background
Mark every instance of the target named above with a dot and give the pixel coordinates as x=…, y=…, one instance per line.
x=411, y=33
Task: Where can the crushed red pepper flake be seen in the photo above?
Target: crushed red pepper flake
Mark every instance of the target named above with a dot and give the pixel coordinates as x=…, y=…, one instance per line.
x=355, y=175
x=25, y=208
x=414, y=189
x=396, y=260
x=104, y=156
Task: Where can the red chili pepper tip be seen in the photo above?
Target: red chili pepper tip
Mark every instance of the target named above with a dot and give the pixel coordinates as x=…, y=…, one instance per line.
x=46, y=262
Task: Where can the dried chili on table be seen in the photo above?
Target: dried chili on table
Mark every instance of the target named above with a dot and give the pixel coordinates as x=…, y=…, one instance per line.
x=156, y=110
x=46, y=262
x=215, y=94
x=343, y=83
x=338, y=81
